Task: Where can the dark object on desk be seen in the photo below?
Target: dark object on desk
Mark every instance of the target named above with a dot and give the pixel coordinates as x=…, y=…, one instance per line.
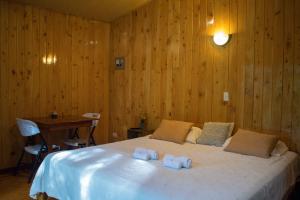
x=54, y=115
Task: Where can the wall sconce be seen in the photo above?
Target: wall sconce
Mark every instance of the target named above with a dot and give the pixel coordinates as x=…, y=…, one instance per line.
x=50, y=59
x=221, y=38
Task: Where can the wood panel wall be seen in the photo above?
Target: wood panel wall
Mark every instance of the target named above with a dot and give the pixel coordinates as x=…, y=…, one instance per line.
x=76, y=84
x=174, y=71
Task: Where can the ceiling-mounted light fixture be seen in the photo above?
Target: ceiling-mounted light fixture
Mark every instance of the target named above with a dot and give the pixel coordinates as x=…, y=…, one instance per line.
x=221, y=38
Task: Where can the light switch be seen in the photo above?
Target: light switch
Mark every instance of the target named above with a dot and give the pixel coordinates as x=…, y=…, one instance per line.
x=226, y=96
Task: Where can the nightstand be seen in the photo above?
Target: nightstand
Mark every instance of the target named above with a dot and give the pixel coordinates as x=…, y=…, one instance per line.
x=137, y=132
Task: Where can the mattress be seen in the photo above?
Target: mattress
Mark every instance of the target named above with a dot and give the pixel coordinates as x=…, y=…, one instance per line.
x=108, y=172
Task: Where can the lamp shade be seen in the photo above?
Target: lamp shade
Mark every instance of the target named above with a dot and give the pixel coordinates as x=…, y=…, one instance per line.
x=221, y=38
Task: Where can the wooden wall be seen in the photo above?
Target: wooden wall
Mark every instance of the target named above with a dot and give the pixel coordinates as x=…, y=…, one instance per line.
x=77, y=83
x=174, y=71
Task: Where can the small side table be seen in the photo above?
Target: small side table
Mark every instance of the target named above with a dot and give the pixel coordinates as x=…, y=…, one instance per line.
x=137, y=132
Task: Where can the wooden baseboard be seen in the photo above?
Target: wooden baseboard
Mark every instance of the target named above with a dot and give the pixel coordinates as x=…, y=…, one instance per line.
x=11, y=170
x=7, y=170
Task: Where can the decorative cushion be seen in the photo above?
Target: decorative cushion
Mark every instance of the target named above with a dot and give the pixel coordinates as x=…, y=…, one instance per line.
x=280, y=149
x=226, y=143
x=214, y=133
x=193, y=135
x=173, y=131
x=252, y=143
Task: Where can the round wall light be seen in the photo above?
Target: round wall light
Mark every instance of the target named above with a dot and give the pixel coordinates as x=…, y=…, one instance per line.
x=221, y=38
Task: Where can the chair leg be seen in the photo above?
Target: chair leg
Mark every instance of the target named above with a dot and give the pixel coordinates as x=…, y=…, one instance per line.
x=19, y=162
x=34, y=167
x=92, y=141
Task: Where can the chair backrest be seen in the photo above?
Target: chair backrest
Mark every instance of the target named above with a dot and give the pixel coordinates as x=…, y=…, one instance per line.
x=95, y=116
x=27, y=128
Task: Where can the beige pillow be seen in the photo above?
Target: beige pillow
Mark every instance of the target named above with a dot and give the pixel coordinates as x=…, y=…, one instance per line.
x=173, y=131
x=214, y=133
x=193, y=135
x=252, y=143
x=230, y=124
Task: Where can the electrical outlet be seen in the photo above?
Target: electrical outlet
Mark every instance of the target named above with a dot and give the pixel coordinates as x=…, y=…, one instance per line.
x=115, y=135
x=226, y=96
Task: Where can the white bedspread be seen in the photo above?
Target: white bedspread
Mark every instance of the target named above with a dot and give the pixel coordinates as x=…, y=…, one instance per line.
x=107, y=172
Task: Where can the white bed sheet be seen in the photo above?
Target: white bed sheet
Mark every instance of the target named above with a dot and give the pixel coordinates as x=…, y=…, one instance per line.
x=107, y=172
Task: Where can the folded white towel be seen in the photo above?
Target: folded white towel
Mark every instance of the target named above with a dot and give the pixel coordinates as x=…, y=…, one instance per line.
x=153, y=154
x=185, y=161
x=141, y=155
x=171, y=162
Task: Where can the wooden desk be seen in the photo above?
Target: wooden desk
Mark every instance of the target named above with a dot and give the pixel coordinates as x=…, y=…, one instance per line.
x=62, y=123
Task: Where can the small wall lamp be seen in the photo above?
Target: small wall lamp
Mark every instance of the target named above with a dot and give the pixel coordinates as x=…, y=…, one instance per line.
x=221, y=38
x=49, y=59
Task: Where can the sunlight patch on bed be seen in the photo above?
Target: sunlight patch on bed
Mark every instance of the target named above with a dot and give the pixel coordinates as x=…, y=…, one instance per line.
x=89, y=171
x=60, y=156
x=143, y=171
x=83, y=155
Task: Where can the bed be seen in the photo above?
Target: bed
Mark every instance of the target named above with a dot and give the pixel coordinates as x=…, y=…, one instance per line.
x=107, y=172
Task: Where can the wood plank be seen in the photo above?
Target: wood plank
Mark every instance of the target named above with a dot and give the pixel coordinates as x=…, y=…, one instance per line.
x=165, y=110
x=172, y=59
x=75, y=64
x=13, y=80
x=36, y=63
x=277, y=64
x=288, y=66
x=258, y=65
x=206, y=77
x=175, y=91
x=232, y=114
x=4, y=84
x=268, y=58
x=155, y=83
x=28, y=62
x=296, y=81
x=187, y=56
x=249, y=62
x=198, y=60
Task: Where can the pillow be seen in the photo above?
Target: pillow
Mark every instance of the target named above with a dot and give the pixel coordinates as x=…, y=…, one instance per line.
x=231, y=126
x=226, y=143
x=173, y=131
x=280, y=149
x=252, y=143
x=214, y=133
x=193, y=135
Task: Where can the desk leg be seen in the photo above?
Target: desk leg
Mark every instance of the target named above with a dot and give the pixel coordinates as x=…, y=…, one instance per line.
x=70, y=135
x=73, y=133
